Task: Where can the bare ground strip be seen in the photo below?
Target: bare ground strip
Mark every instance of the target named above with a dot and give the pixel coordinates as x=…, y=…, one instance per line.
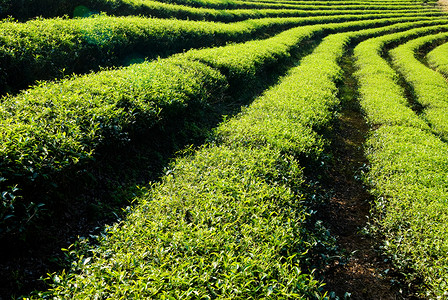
x=360, y=271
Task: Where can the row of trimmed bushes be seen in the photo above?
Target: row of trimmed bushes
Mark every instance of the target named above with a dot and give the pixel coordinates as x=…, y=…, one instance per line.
x=26, y=9
x=56, y=128
x=408, y=170
x=229, y=221
x=52, y=48
x=429, y=87
x=437, y=59
x=389, y=104
x=233, y=215
x=308, y=5
x=297, y=4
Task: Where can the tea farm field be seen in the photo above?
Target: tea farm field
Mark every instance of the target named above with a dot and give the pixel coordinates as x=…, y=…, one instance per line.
x=223, y=149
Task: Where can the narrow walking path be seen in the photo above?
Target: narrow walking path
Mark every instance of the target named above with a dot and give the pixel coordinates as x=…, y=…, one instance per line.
x=360, y=272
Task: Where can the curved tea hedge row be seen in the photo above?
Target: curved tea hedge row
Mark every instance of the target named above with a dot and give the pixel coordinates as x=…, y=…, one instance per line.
x=311, y=5
x=162, y=10
x=438, y=59
x=222, y=223
x=307, y=5
x=233, y=219
x=387, y=105
x=229, y=221
x=408, y=170
x=316, y=5
x=429, y=87
x=41, y=49
x=168, y=10
x=57, y=126
x=52, y=8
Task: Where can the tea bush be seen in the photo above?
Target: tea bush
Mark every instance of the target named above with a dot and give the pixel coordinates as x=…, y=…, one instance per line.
x=230, y=220
x=429, y=87
x=407, y=169
x=51, y=48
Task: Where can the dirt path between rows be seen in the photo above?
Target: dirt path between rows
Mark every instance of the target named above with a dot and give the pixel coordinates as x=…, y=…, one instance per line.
x=360, y=272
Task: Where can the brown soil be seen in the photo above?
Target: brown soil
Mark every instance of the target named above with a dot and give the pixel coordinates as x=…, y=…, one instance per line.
x=360, y=272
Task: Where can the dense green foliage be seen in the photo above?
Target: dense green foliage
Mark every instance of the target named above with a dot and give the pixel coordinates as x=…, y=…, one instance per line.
x=204, y=187
x=231, y=192
x=44, y=49
x=46, y=131
x=429, y=87
x=234, y=218
x=408, y=168
x=409, y=173
x=53, y=8
x=241, y=61
x=49, y=48
x=313, y=5
x=389, y=104
x=438, y=59
x=84, y=113
x=226, y=222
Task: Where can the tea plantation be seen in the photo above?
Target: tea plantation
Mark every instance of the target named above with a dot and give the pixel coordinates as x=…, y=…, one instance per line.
x=184, y=146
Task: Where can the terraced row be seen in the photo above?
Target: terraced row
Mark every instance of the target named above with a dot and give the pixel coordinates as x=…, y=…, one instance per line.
x=437, y=59
x=53, y=127
x=158, y=9
x=47, y=49
x=429, y=87
x=217, y=225
x=408, y=167
x=235, y=218
x=313, y=5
